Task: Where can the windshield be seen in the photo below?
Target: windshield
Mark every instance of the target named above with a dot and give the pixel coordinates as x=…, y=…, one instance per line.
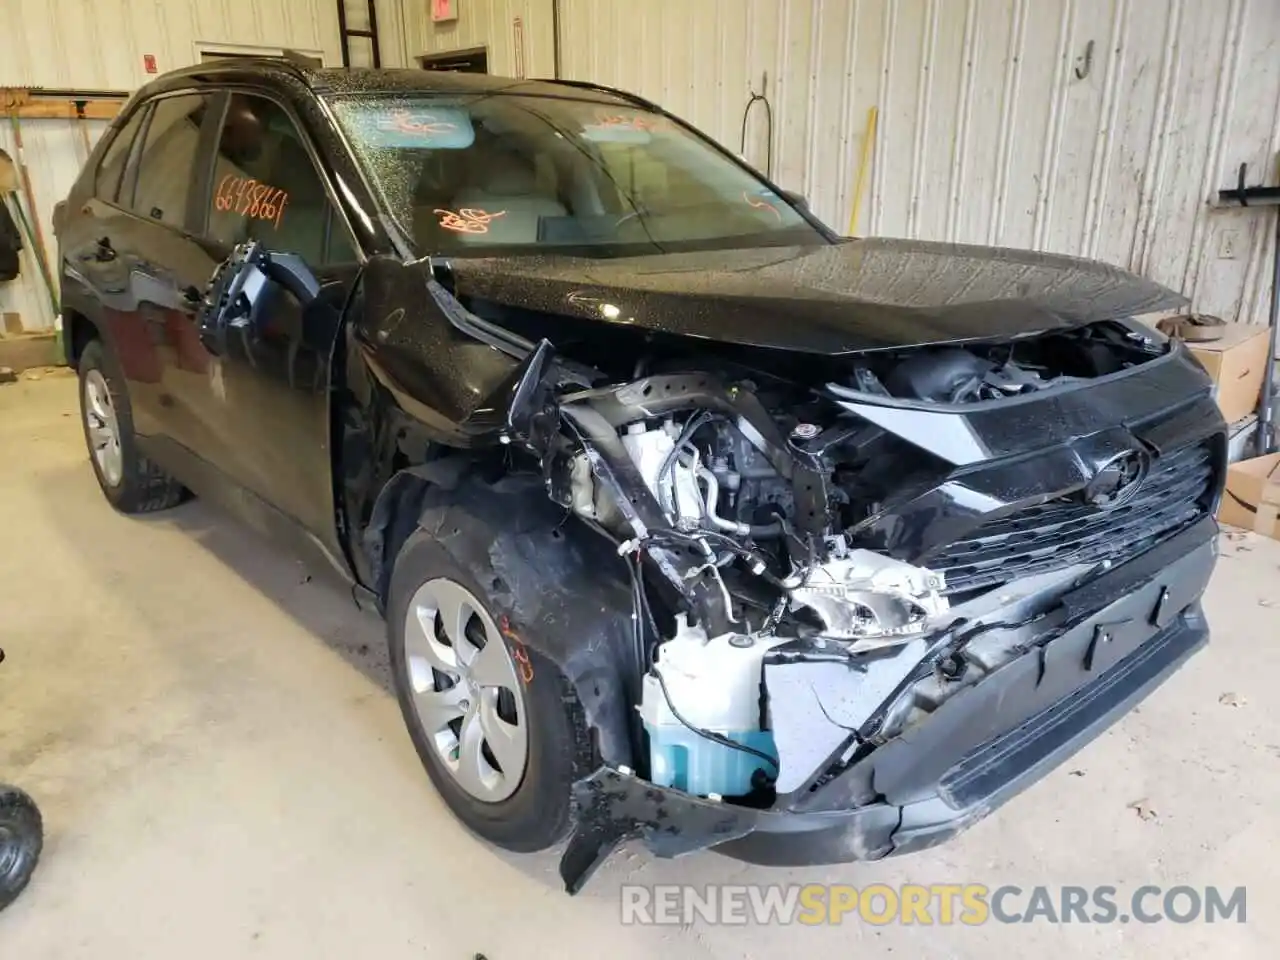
x=482, y=174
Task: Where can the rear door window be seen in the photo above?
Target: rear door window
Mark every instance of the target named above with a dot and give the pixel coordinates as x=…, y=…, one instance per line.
x=266, y=187
x=107, y=183
x=167, y=164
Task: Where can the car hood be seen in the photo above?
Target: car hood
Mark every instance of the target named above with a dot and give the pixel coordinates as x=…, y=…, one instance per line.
x=846, y=297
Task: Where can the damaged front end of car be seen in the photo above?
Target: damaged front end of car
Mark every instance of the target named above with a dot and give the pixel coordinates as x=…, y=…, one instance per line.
x=859, y=596
x=869, y=606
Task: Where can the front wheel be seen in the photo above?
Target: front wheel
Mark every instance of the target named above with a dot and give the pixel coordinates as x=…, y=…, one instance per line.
x=21, y=840
x=496, y=725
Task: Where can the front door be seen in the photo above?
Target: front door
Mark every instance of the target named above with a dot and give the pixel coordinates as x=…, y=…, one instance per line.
x=259, y=408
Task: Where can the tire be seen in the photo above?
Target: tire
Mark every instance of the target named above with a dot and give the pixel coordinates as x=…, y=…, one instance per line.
x=132, y=483
x=536, y=814
x=21, y=840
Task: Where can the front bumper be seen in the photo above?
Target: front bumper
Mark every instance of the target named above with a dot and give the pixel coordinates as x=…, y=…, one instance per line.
x=1121, y=635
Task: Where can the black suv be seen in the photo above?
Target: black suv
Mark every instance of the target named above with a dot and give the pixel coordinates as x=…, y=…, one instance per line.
x=691, y=521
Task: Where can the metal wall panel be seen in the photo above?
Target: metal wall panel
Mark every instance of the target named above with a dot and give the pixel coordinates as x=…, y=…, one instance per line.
x=490, y=24
x=992, y=127
x=54, y=153
x=99, y=44
x=392, y=17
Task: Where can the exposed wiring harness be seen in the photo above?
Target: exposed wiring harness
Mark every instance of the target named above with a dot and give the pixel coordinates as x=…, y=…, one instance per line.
x=668, y=492
x=690, y=428
x=639, y=602
x=711, y=734
x=642, y=613
x=642, y=617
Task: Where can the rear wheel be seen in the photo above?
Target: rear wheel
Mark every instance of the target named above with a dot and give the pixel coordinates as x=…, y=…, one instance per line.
x=21, y=839
x=131, y=482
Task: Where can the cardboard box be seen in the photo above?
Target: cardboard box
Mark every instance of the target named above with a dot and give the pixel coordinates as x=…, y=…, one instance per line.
x=1240, y=439
x=1236, y=362
x=1252, y=497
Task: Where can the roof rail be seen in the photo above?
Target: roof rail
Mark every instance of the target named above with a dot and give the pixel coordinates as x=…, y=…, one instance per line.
x=288, y=60
x=299, y=59
x=622, y=94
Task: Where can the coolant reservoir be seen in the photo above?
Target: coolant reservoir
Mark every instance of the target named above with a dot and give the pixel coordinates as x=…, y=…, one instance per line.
x=716, y=686
x=649, y=450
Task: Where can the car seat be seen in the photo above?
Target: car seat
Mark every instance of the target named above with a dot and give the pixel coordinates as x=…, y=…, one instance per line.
x=505, y=186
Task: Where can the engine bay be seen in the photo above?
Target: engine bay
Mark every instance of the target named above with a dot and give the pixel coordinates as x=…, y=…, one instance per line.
x=726, y=502
x=742, y=500
x=974, y=373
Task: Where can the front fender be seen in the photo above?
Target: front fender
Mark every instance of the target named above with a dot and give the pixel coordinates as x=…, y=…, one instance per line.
x=563, y=587
x=439, y=375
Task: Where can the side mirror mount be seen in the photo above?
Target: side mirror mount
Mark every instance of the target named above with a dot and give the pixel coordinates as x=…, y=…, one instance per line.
x=240, y=292
x=796, y=199
x=518, y=410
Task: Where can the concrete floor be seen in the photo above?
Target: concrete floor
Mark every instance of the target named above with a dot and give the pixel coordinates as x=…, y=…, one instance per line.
x=223, y=771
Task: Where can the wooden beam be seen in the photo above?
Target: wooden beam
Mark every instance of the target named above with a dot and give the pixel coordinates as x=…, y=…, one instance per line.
x=55, y=110
x=32, y=105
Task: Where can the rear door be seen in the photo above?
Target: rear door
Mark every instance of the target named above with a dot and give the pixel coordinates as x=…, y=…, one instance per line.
x=162, y=249
x=96, y=278
x=260, y=411
x=136, y=249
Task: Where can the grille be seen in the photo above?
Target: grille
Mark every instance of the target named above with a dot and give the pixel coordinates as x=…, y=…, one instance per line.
x=1060, y=533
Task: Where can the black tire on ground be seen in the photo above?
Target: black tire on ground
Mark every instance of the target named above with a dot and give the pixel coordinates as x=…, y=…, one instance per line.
x=537, y=814
x=143, y=486
x=21, y=839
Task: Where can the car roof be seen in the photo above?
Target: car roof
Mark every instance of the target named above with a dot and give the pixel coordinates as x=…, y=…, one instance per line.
x=330, y=81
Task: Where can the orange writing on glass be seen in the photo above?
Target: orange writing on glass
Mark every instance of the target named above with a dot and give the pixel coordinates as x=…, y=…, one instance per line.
x=467, y=220
x=402, y=121
x=761, y=204
x=635, y=121
x=247, y=197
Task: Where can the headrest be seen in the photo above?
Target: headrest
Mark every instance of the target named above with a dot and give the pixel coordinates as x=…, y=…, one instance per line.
x=506, y=175
x=242, y=132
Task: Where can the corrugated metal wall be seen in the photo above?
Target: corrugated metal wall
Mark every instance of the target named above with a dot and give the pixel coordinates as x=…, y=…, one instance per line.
x=491, y=24
x=54, y=152
x=1092, y=127
x=393, y=15
x=99, y=44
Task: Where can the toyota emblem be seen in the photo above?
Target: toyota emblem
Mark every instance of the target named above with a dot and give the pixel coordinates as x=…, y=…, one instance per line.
x=1118, y=480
